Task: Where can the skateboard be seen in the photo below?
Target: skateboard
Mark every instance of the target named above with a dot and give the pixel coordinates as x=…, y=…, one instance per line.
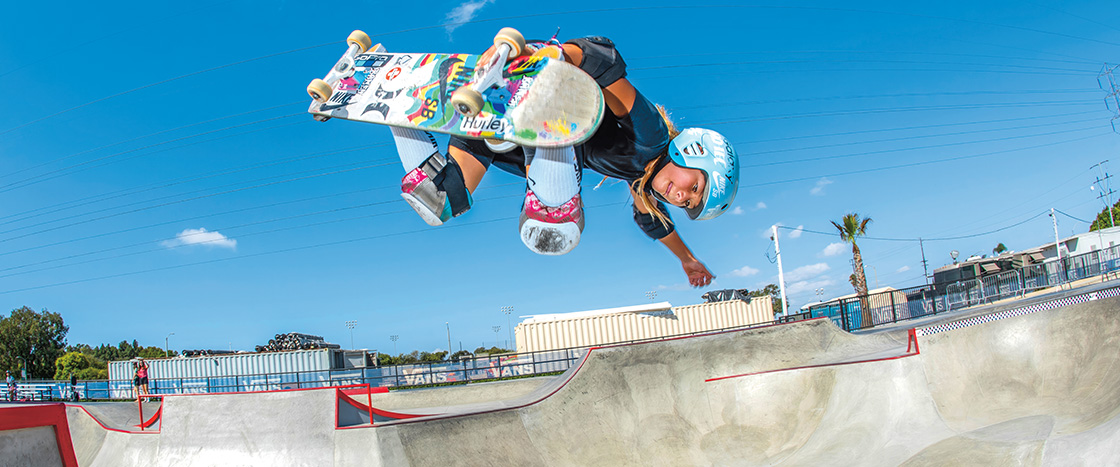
x=535, y=101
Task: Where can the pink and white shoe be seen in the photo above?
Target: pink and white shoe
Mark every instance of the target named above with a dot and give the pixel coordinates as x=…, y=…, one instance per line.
x=551, y=230
x=425, y=198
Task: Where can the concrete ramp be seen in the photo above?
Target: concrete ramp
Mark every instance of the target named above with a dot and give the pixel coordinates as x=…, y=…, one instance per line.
x=1036, y=384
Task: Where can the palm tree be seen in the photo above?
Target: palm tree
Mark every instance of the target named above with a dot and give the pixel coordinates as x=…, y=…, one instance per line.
x=999, y=249
x=850, y=228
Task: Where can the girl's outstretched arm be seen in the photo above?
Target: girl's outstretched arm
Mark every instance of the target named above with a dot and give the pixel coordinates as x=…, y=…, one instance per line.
x=698, y=273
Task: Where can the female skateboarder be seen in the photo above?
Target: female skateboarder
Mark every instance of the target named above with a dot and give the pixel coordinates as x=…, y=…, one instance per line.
x=694, y=169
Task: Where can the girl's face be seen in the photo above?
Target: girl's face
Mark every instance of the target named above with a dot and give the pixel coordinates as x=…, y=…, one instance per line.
x=680, y=186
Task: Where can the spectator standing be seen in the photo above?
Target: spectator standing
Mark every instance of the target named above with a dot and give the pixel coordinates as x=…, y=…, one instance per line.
x=142, y=376
x=10, y=381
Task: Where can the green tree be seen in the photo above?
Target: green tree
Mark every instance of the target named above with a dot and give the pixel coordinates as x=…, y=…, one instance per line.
x=408, y=359
x=460, y=355
x=999, y=249
x=31, y=339
x=432, y=357
x=771, y=290
x=491, y=351
x=851, y=227
x=1103, y=221
x=80, y=364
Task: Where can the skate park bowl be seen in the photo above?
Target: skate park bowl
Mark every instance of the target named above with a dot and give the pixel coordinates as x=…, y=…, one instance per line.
x=1029, y=383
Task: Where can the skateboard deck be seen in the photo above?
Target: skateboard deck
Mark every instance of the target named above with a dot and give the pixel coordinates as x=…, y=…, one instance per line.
x=541, y=102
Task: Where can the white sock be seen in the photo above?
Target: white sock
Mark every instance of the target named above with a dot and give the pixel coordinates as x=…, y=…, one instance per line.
x=554, y=175
x=414, y=146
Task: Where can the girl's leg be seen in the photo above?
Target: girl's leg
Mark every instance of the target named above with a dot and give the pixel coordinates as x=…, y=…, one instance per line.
x=436, y=186
x=552, y=216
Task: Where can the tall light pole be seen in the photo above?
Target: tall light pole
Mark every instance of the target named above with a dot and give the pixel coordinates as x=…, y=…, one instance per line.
x=781, y=275
x=351, y=325
x=496, y=329
x=394, y=339
x=507, y=310
x=448, y=323
x=1057, y=242
x=651, y=295
x=166, y=352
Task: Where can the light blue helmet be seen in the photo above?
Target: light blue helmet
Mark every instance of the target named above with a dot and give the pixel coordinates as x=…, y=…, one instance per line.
x=712, y=154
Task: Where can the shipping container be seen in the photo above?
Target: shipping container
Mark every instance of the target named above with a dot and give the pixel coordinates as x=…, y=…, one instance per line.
x=235, y=372
x=590, y=328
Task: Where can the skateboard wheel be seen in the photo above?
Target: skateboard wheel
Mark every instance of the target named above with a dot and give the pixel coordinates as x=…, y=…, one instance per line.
x=467, y=101
x=319, y=90
x=360, y=39
x=513, y=38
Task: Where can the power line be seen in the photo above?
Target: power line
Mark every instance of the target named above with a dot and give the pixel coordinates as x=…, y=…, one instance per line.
x=917, y=239
x=275, y=252
x=916, y=164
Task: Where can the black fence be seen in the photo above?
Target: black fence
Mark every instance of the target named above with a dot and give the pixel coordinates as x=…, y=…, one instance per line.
x=892, y=306
x=475, y=369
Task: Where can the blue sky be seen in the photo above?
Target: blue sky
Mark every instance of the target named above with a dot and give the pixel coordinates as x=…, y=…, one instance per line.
x=129, y=128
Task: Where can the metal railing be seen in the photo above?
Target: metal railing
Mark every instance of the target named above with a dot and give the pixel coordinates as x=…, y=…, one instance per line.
x=855, y=313
x=476, y=369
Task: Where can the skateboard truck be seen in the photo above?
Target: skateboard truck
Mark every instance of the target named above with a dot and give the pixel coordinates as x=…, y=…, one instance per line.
x=321, y=89
x=467, y=100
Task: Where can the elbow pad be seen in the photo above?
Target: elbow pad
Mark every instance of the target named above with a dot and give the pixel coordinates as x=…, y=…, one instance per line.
x=650, y=225
x=600, y=59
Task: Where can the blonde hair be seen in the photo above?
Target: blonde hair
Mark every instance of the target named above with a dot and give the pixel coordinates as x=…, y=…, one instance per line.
x=640, y=185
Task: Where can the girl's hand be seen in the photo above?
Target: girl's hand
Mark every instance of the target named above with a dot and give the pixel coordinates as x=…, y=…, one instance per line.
x=698, y=274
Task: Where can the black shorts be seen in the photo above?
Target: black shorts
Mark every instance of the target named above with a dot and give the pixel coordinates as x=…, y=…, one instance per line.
x=138, y=381
x=512, y=161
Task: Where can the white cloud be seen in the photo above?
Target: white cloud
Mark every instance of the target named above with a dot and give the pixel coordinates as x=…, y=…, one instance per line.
x=834, y=249
x=682, y=286
x=760, y=206
x=903, y=269
x=744, y=272
x=797, y=232
x=819, y=188
x=807, y=272
x=201, y=237
x=795, y=288
x=463, y=14
x=737, y=211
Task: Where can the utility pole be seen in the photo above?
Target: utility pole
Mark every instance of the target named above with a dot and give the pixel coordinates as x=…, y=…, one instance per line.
x=781, y=275
x=1112, y=99
x=448, y=323
x=1057, y=242
x=1106, y=191
x=925, y=268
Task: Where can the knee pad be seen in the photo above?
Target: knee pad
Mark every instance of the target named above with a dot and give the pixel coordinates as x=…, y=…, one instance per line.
x=448, y=178
x=600, y=59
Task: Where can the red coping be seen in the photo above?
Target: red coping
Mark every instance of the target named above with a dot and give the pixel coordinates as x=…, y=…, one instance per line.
x=52, y=415
x=911, y=344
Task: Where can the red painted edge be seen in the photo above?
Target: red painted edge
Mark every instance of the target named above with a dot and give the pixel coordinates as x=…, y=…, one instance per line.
x=362, y=391
x=911, y=340
x=377, y=411
x=52, y=415
x=585, y=358
x=156, y=416
x=95, y=420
